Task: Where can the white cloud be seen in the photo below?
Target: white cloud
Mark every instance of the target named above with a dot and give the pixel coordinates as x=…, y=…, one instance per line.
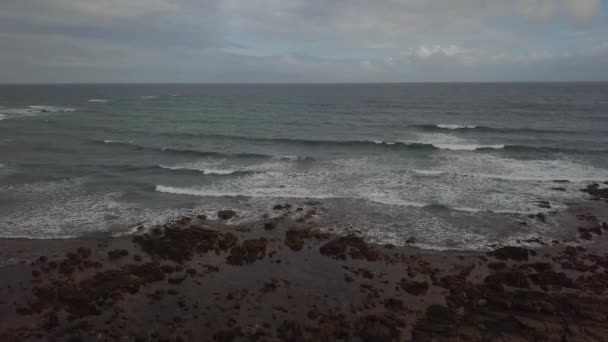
x=580, y=11
x=425, y=52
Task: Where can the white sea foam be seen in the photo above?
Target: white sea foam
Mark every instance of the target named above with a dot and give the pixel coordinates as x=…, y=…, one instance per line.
x=501, y=168
x=374, y=183
x=8, y=113
x=194, y=191
x=65, y=209
x=99, y=100
x=382, y=142
x=451, y=126
x=290, y=157
x=51, y=109
x=108, y=141
x=429, y=172
x=206, y=171
x=444, y=141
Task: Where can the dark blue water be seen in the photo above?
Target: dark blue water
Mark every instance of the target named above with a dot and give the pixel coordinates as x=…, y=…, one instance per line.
x=453, y=165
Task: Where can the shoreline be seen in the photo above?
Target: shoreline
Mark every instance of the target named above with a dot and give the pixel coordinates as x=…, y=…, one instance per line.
x=281, y=278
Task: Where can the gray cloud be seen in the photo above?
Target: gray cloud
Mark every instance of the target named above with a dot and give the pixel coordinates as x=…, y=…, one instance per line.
x=301, y=41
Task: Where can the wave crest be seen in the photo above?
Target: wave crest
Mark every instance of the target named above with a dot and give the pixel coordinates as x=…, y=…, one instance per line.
x=452, y=126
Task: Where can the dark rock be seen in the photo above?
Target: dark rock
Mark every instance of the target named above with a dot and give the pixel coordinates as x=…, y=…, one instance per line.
x=350, y=245
x=167, y=269
x=183, y=220
x=596, y=192
x=512, y=278
x=117, y=254
x=176, y=280
x=228, y=241
x=248, y=252
x=83, y=252
x=226, y=214
x=438, y=320
x=410, y=241
x=497, y=266
x=79, y=299
x=290, y=331
x=511, y=252
x=395, y=305
x=179, y=244
x=270, y=225
x=413, y=287
x=201, y=217
x=294, y=238
x=559, y=188
x=379, y=328
x=277, y=207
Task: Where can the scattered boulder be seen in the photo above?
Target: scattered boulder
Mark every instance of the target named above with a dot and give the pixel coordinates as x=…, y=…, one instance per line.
x=270, y=225
x=226, y=214
x=413, y=287
x=350, y=245
x=596, y=192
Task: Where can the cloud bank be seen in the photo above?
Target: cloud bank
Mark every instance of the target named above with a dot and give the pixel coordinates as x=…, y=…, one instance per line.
x=302, y=40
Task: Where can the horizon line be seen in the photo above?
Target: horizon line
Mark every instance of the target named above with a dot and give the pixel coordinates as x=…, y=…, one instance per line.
x=292, y=83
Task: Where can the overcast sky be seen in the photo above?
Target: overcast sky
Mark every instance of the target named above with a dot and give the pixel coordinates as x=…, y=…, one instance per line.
x=303, y=40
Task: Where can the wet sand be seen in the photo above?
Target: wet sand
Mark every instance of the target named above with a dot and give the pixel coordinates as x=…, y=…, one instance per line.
x=278, y=278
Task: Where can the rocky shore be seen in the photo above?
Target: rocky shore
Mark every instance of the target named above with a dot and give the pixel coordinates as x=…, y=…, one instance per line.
x=279, y=278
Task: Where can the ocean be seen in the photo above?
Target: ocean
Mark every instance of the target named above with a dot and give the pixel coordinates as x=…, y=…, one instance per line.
x=444, y=166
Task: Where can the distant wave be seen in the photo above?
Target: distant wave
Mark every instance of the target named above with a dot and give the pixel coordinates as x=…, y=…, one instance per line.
x=452, y=127
x=8, y=113
x=413, y=145
x=148, y=97
x=51, y=109
x=449, y=126
x=292, y=158
x=467, y=147
x=508, y=177
x=99, y=100
x=125, y=142
x=131, y=144
x=206, y=171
